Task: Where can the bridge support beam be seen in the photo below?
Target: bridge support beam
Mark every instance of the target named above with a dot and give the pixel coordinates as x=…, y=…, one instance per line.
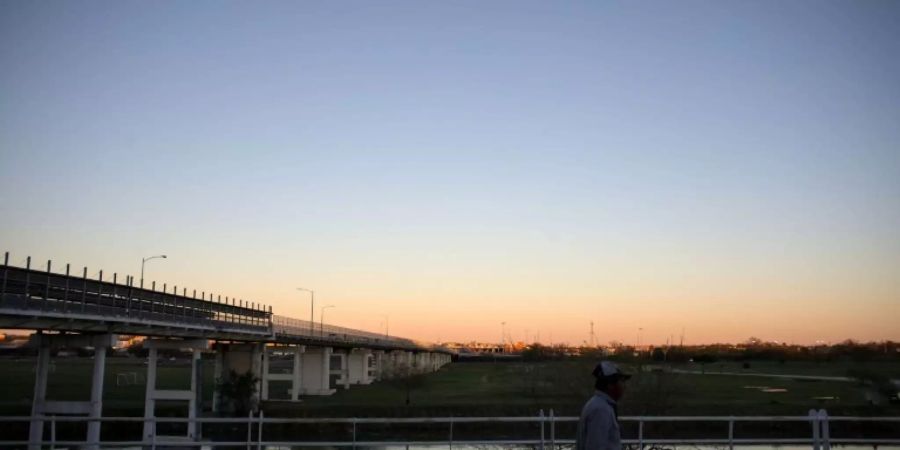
x=192, y=396
x=316, y=371
x=40, y=407
x=339, y=365
x=380, y=360
x=359, y=366
x=241, y=359
x=295, y=366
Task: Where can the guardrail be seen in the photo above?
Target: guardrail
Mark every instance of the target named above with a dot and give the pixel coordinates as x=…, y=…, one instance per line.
x=253, y=433
x=44, y=292
x=299, y=328
x=31, y=292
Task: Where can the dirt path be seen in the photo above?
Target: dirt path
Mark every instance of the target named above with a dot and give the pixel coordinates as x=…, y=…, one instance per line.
x=769, y=375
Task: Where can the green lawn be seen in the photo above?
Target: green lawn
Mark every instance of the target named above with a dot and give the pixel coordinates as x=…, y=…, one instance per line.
x=498, y=388
x=834, y=368
x=484, y=388
x=70, y=379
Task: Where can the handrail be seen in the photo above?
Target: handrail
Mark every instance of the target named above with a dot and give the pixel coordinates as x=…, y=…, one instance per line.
x=819, y=420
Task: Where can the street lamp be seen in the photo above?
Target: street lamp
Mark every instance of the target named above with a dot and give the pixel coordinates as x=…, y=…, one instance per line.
x=144, y=261
x=322, y=319
x=312, y=307
x=387, y=324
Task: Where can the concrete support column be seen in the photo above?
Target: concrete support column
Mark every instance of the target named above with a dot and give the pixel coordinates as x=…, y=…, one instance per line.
x=36, y=432
x=194, y=402
x=358, y=366
x=93, y=430
x=191, y=396
x=343, y=369
x=315, y=371
x=295, y=375
x=326, y=364
x=379, y=364
x=264, y=377
x=218, y=375
x=256, y=354
x=149, y=403
x=92, y=408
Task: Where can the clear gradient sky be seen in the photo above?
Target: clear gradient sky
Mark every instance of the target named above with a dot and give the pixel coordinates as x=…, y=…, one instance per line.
x=728, y=167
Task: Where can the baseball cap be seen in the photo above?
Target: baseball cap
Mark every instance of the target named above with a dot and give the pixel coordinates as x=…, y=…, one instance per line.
x=609, y=370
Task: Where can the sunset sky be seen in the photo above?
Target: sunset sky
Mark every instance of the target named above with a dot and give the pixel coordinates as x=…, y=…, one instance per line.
x=727, y=168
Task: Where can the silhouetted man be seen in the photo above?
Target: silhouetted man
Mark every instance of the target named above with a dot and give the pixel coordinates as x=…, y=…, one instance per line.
x=598, y=428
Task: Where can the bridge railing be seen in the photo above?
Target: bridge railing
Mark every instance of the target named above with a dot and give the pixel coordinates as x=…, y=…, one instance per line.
x=305, y=329
x=540, y=432
x=44, y=292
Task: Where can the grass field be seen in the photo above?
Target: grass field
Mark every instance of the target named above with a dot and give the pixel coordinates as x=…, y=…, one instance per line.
x=70, y=379
x=564, y=386
x=506, y=388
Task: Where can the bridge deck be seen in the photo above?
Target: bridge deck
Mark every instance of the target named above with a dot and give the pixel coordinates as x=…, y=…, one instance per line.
x=44, y=300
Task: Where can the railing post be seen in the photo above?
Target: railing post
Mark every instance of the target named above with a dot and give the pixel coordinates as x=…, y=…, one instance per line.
x=641, y=433
x=83, y=289
x=47, y=286
x=731, y=433
x=249, y=428
x=163, y=302
x=66, y=297
x=128, y=282
x=354, y=432
x=814, y=420
x=542, y=428
x=27, y=279
x=52, y=432
x=5, y=273
x=552, y=431
x=825, y=433
x=259, y=431
x=115, y=292
x=100, y=293
x=450, y=443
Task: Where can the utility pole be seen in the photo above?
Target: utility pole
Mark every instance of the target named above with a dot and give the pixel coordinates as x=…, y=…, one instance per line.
x=592, y=342
x=312, y=308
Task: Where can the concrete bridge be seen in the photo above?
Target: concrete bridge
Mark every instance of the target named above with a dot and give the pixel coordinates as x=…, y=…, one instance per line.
x=73, y=311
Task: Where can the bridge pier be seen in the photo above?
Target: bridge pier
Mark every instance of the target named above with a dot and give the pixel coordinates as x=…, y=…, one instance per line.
x=339, y=365
x=294, y=376
x=316, y=371
x=241, y=359
x=41, y=407
x=380, y=358
x=192, y=395
x=359, y=366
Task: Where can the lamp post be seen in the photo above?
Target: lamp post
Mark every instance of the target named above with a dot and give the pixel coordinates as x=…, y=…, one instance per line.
x=387, y=324
x=503, y=337
x=312, y=308
x=144, y=261
x=322, y=319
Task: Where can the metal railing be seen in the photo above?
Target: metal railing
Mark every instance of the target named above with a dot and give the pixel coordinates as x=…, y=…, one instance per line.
x=30, y=292
x=298, y=328
x=46, y=293
x=252, y=431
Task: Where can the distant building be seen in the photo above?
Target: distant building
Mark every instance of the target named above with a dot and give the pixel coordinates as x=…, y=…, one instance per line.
x=475, y=347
